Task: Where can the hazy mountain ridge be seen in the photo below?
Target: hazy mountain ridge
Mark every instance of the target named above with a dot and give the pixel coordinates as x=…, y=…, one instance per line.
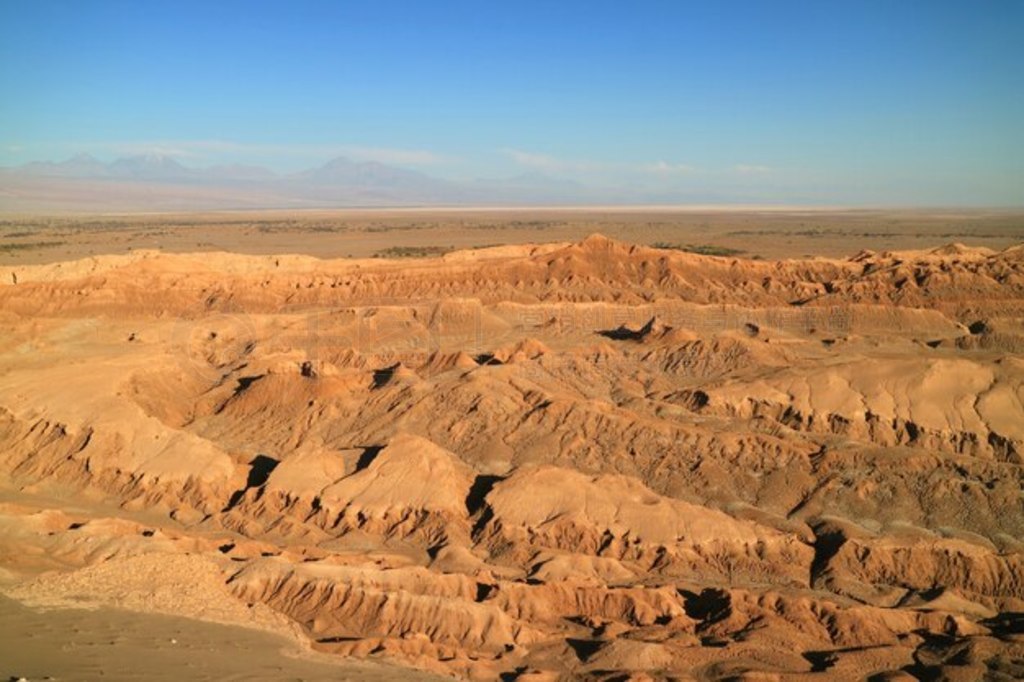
x=157, y=181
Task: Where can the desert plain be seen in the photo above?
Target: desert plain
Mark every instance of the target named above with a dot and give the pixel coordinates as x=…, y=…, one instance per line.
x=540, y=444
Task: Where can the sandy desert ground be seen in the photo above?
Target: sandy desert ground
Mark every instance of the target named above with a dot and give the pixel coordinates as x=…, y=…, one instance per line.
x=768, y=233
x=561, y=457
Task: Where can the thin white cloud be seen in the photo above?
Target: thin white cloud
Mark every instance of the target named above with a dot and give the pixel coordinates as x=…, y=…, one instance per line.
x=750, y=169
x=531, y=159
x=666, y=168
x=214, y=150
x=551, y=164
x=406, y=157
x=175, y=150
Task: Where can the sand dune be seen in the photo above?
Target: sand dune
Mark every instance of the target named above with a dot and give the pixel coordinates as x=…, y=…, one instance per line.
x=583, y=459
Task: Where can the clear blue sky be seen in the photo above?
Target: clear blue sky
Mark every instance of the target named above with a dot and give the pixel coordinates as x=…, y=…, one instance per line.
x=894, y=101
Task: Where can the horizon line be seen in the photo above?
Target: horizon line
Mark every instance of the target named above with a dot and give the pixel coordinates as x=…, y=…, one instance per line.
x=553, y=208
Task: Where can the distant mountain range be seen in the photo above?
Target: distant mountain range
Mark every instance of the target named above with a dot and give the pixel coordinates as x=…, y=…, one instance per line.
x=159, y=182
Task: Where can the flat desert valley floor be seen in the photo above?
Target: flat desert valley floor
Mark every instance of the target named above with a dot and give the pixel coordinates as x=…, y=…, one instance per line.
x=753, y=233
x=598, y=444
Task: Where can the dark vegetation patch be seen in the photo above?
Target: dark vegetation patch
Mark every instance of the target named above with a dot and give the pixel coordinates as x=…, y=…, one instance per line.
x=699, y=249
x=412, y=251
x=28, y=246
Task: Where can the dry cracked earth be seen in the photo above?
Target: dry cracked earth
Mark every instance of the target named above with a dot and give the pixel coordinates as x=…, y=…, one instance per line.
x=585, y=460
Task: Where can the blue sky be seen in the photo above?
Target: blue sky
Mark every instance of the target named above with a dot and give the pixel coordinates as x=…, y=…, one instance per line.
x=910, y=102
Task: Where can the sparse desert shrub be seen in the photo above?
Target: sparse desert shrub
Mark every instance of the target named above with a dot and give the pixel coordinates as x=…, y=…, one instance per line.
x=700, y=249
